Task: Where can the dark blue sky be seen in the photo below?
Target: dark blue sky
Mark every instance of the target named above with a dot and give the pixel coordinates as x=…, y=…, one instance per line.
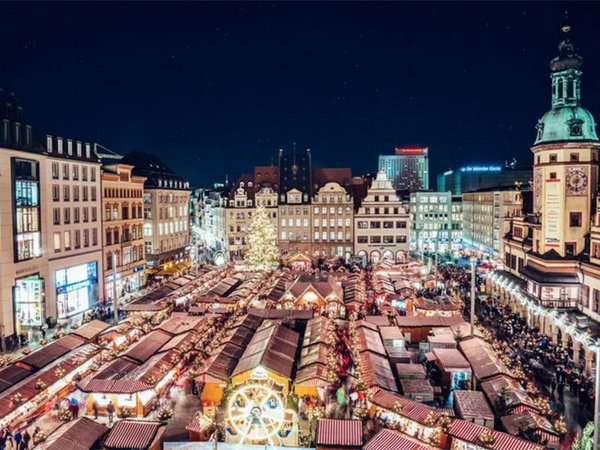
x=216, y=88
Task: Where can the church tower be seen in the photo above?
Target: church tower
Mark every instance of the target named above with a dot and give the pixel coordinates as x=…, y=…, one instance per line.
x=565, y=174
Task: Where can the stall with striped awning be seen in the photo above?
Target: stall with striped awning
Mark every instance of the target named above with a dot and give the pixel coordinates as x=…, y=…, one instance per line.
x=339, y=433
x=390, y=439
x=135, y=435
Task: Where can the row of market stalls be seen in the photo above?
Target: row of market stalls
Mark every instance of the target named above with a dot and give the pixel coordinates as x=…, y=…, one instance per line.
x=133, y=380
x=311, y=378
x=240, y=288
x=29, y=384
x=176, y=292
x=86, y=434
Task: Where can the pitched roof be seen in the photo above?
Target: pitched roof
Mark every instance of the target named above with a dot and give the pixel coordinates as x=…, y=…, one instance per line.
x=81, y=434
x=132, y=435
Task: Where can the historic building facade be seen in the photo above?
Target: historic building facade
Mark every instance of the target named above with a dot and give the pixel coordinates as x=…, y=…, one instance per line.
x=381, y=224
x=250, y=191
x=333, y=222
x=123, y=230
x=551, y=251
x=166, y=214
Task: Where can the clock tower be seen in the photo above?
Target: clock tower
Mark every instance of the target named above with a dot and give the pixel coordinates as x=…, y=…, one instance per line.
x=565, y=174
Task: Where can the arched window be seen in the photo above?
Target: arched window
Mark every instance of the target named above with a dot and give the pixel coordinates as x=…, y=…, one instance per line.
x=560, y=88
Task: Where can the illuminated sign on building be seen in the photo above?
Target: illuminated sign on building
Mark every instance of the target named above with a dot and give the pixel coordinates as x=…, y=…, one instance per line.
x=481, y=169
x=411, y=150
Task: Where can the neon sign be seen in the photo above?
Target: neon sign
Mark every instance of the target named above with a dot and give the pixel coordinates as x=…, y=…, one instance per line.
x=411, y=150
x=481, y=169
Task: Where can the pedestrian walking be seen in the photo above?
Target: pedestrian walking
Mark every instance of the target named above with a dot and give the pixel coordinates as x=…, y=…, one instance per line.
x=17, y=438
x=25, y=440
x=95, y=409
x=110, y=410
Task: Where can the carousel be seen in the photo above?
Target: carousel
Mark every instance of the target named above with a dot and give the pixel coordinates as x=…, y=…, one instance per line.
x=257, y=414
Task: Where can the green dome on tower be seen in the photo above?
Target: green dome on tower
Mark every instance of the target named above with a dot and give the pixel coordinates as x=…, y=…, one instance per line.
x=567, y=121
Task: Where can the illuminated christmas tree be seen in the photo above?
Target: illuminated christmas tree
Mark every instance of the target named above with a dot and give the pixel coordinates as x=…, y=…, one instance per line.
x=263, y=252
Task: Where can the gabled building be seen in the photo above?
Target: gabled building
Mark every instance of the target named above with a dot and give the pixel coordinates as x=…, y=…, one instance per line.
x=381, y=224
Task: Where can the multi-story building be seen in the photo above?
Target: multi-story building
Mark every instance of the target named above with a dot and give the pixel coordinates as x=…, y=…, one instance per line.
x=294, y=212
x=250, y=191
x=381, y=224
x=474, y=178
x=552, y=251
x=166, y=213
x=123, y=230
x=407, y=168
x=73, y=227
x=436, y=222
x=23, y=238
x=333, y=222
x=486, y=219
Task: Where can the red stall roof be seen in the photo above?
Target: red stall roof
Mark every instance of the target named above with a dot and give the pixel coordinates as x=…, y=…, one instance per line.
x=346, y=433
x=132, y=435
x=390, y=439
x=469, y=432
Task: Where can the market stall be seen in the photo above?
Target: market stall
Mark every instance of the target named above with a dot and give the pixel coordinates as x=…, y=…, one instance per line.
x=473, y=407
x=81, y=434
x=138, y=435
x=456, y=370
x=339, y=434
x=419, y=390
x=469, y=436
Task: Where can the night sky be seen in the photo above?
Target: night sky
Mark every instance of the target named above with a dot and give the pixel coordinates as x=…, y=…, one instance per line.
x=216, y=88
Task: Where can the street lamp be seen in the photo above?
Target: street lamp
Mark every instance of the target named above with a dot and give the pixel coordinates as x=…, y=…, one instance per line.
x=473, y=261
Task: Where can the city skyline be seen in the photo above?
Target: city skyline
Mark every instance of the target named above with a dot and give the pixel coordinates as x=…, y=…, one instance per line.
x=243, y=81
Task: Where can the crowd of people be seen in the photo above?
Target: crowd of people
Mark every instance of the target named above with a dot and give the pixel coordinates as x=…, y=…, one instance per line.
x=548, y=363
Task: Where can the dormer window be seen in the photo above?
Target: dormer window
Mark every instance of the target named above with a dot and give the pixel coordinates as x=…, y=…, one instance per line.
x=249, y=183
x=241, y=184
x=575, y=127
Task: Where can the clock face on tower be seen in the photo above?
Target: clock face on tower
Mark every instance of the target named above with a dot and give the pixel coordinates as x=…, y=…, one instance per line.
x=576, y=181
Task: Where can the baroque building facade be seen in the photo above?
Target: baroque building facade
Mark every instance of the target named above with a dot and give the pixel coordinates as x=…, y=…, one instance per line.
x=551, y=252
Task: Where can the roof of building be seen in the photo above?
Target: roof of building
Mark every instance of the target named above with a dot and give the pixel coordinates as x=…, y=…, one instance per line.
x=273, y=347
x=81, y=434
x=158, y=174
x=388, y=439
x=340, y=433
x=472, y=404
x=132, y=434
